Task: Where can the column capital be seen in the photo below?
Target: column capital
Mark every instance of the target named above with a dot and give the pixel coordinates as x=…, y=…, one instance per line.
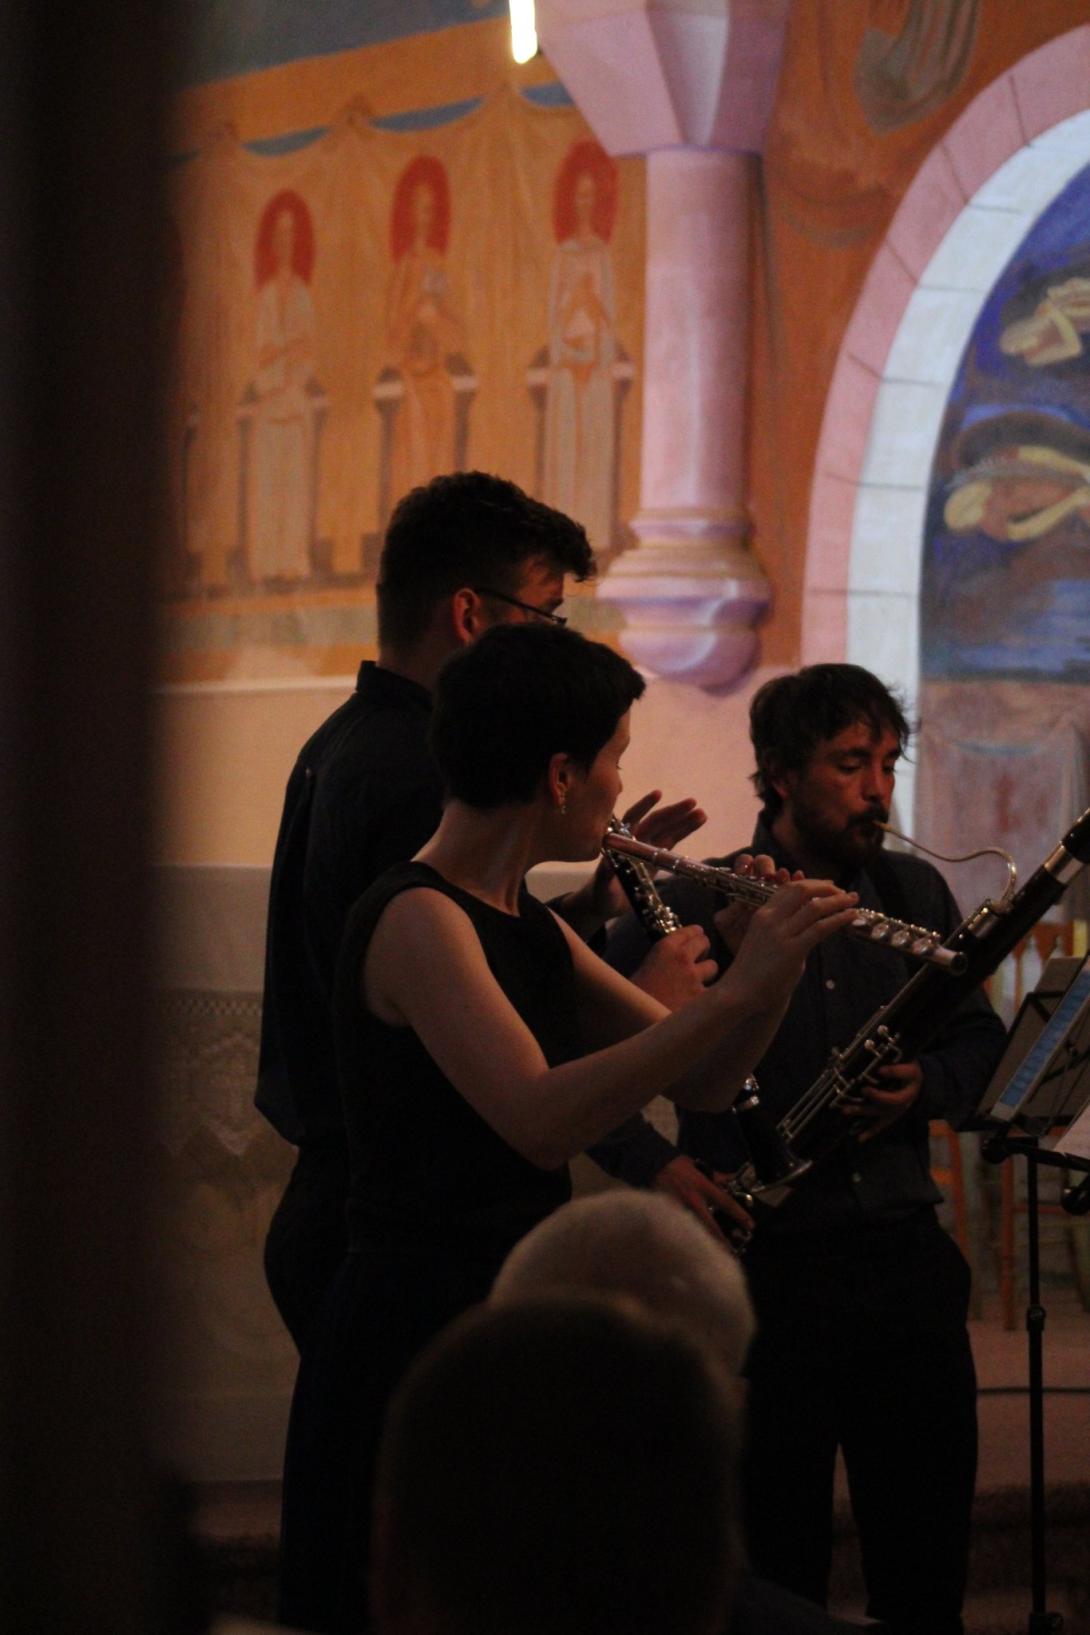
x=650, y=74
x=691, y=594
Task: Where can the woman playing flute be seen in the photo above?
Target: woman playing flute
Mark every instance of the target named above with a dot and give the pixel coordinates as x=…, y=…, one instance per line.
x=482, y=1045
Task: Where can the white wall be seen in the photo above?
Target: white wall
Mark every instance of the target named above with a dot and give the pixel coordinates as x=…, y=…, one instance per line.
x=225, y=755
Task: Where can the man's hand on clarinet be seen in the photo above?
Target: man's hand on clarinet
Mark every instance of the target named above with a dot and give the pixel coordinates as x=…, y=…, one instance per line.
x=683, y=1180
x=888, y=1102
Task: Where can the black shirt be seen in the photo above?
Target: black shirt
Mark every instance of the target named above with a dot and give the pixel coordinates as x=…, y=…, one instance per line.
x=844, y=983
x=364, y=794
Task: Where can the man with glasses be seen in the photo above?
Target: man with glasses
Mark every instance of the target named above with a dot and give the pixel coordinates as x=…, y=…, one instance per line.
x=542, y=613
x=462, y=553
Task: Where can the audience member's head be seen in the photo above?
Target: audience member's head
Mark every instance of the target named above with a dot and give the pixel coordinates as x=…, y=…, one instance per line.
x=644, y=1246
x=564, y=1466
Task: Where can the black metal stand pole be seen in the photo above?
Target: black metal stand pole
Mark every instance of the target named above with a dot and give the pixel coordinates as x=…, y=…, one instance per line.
x=1041, y=1622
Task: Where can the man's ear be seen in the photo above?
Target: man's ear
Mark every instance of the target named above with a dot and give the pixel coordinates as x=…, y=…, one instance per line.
x=776, y=778
x=466, y=616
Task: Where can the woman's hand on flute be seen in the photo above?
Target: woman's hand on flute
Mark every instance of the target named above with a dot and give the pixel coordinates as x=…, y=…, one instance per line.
x=799, y=915
x=732, y=920
x=677, y=967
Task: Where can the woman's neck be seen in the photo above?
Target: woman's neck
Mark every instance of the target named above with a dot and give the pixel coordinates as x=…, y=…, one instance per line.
x=488, y=852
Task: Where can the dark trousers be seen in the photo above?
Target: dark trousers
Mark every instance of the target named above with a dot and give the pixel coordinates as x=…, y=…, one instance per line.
x=308, y=1236
x=384, y=1305
x=862, y=1345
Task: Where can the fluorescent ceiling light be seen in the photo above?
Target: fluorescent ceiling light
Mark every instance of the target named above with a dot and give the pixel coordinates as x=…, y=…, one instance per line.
x=523, y=30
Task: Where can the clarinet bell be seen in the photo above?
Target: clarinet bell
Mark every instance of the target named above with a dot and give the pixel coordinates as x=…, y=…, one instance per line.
x=774, y=1163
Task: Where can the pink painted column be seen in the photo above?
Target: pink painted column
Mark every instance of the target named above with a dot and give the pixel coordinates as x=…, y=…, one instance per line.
x=690, y=590
x=691, y=88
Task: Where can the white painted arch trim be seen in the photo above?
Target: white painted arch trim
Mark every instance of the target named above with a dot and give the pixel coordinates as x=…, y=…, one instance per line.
x=970, y=205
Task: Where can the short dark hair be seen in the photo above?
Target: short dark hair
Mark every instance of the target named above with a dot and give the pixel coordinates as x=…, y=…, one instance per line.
x=562, y=1466
x=519, y=695
x=791, y=715
x=466, y=528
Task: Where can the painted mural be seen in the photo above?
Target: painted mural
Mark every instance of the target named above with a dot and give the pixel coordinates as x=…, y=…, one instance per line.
x=866, y=94
x=427, y=370
x=1005, y=592
x=279, y=415
x=362, y=308
x=579, y=456
x=912, y=57
x=1007, y=559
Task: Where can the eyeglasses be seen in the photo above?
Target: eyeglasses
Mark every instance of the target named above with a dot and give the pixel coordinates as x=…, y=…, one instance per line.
x=527, y=607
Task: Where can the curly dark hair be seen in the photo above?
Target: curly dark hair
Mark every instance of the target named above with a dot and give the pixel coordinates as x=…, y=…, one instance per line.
x=791, y=715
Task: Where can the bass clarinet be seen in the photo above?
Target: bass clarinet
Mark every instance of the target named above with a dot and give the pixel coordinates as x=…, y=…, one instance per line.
x=900, y=1029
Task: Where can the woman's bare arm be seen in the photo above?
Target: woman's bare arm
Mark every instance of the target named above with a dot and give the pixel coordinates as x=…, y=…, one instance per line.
x=425, y=968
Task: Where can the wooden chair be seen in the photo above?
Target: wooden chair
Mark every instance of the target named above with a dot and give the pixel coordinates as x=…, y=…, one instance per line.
x=948, y=1173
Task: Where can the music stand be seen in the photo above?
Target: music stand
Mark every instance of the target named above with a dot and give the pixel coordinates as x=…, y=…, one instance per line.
x=1042, y=1084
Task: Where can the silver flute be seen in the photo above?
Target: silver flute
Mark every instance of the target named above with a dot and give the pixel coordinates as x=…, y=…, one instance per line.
x=916, y=941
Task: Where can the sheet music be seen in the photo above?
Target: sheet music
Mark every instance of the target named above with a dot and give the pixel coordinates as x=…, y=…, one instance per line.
x=1036, y=1008
x=1044, y=1062
x=1074, y=1142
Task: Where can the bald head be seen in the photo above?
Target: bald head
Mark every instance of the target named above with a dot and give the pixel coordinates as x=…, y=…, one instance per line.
x=643, y=1246
x=561, y=1466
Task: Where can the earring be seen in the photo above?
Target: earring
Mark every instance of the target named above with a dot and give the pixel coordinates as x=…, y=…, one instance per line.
x=563, y=808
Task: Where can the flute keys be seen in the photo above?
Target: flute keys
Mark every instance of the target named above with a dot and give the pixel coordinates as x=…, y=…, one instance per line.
x=866, y=923
x=912, y=939
x=872, y=926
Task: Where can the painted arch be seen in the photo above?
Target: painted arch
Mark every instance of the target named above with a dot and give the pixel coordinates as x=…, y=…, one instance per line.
x=973, y=202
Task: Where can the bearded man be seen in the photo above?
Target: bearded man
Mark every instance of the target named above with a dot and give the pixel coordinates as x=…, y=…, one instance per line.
x=861, y=1297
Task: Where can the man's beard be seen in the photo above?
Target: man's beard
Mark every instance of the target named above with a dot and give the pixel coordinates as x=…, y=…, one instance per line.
x=849, y=846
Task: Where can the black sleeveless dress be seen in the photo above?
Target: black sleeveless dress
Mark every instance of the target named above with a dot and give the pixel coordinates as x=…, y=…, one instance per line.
x=438, y=1199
